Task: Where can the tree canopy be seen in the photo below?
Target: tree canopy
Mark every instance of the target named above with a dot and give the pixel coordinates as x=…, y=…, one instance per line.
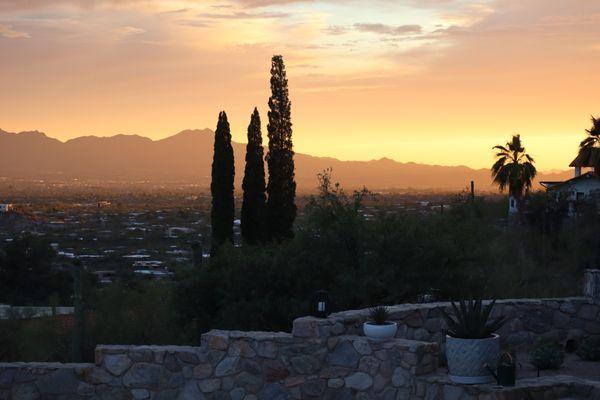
x=513, y=168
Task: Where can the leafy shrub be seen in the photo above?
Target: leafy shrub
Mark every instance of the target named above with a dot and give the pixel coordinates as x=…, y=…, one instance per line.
x=471, y=320
x=547, y=355
x=379, y=315
x=36, y=339
x=589, y=349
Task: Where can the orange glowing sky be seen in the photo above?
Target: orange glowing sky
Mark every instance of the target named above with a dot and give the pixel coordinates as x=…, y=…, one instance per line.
x=431, y=81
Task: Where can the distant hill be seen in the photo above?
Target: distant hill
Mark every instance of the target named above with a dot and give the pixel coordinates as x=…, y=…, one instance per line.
x=187, y=156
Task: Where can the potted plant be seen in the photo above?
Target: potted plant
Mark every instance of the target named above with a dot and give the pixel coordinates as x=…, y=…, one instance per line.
x=471, y=341
x=378, y=327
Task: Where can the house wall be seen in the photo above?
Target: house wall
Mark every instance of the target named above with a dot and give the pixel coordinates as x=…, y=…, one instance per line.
x=585, y=186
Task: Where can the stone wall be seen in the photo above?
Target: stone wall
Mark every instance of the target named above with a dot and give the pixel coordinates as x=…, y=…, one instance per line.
x=232, y=365
x=439, y=387
x=321, y=359
x=561, y=318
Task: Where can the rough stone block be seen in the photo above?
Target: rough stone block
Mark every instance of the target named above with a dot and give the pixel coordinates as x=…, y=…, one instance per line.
x=344, y=355
x=358, y=381
x=116, y=364
x=305, y=327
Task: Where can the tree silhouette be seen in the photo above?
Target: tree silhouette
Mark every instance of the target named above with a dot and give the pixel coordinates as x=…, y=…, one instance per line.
x=253, y=205
x=221, y=187
x=591, y=144
x=513, y=168
x=281, y=206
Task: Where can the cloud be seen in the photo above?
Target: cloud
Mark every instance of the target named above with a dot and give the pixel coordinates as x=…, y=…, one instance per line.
x=244, y=15
x=265, y=3
x=335, y=30
x=8, y=32
x=19, y=5
x=128, y=31
x=193, y=23
x=383, y=29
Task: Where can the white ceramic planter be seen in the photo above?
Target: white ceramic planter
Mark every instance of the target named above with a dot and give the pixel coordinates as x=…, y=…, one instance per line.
x=467, y=357
x=380, y=332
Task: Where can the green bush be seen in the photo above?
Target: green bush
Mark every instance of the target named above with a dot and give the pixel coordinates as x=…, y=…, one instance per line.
x=37, y=339
x=547, y=355
x=589, y=349
x=365, y=253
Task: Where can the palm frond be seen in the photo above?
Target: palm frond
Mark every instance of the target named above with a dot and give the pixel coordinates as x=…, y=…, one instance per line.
x=513, y=167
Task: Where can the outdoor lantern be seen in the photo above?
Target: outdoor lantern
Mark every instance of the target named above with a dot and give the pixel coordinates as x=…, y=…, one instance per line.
x=321, y=307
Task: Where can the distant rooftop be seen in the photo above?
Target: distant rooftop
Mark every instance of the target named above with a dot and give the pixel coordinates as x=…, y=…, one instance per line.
x=586, y=158
x=555, y=184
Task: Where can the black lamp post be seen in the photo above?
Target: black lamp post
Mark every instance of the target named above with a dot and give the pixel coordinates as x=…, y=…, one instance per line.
x=321, y=304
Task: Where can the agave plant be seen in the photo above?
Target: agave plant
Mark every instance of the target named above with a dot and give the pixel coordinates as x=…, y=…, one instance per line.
x=379, y=315
x=472, y=320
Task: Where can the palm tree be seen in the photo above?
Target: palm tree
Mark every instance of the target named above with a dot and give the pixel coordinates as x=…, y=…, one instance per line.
x=591, y=144
x=513, y=168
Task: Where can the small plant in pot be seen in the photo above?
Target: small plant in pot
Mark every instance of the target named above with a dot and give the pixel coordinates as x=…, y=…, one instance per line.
x=471, y=341
x=378, y=327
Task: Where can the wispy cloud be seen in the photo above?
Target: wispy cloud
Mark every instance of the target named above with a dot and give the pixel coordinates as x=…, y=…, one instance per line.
x=128, y=31
x=335, y=30
x=383, y=29
x=8, y=32
x=244, y=15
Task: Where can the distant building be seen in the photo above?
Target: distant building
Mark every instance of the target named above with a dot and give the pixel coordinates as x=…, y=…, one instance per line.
x=153, y=274
x=148, y=264
x=105, y=277
x=6, y=207
x=584, y=184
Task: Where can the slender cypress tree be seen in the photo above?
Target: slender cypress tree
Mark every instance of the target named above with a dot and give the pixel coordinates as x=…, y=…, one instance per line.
x=281, y=206
x=221, y=187
x=253, y=205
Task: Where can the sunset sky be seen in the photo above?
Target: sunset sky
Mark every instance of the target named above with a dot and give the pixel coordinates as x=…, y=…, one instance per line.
x=431, y=81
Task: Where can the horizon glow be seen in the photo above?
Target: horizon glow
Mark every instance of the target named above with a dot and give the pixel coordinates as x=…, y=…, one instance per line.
x=430, y=81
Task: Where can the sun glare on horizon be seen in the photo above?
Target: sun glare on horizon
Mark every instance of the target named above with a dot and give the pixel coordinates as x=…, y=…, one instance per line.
x=420, y=81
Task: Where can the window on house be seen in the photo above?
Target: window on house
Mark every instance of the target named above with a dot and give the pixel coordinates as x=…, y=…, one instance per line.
x=579, y=196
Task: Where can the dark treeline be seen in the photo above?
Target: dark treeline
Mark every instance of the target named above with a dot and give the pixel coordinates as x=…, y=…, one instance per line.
x=268, y=211
x=361, y=258
x=221, y=187
x=253, y=206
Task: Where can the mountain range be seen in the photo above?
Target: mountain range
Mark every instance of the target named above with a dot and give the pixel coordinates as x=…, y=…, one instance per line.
x=187, y=156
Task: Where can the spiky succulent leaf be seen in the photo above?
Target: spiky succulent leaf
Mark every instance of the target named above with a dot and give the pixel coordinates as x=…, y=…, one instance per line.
x=379, y=315
x=471, y=320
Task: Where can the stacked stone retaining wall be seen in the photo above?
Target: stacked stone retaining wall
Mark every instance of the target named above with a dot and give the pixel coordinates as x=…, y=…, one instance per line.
x=326, y=358
x=527, y=319
x=232, y=365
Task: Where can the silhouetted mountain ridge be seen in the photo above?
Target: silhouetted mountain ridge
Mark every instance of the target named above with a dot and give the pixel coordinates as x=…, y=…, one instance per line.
x=187, y=156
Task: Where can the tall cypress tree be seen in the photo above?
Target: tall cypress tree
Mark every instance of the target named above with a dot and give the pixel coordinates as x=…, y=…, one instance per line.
x=221, y=187
x=253, y=205
x=281, y=206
